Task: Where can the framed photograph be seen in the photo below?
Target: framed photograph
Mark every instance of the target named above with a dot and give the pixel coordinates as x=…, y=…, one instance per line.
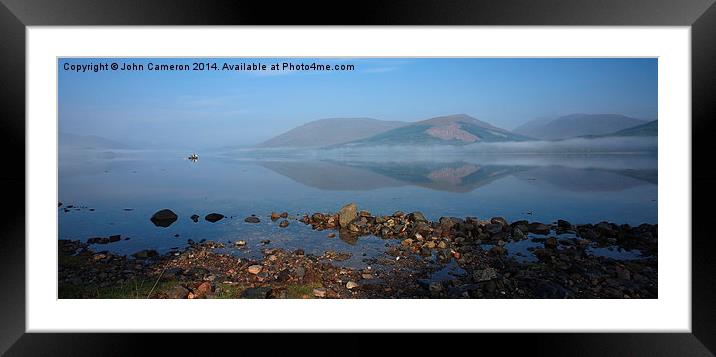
x=473, y=170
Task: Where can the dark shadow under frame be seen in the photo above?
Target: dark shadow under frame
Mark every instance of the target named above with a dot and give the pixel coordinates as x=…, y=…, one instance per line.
x=15, y=15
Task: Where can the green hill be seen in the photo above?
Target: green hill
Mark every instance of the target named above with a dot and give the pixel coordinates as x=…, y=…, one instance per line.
x=459, y=129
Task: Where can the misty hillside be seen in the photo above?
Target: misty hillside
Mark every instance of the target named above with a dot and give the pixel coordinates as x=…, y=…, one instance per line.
x=74, y=141
x=334, y=131
x=458, y=129
x=649, y=129
x=533, y=124
x=577, y=125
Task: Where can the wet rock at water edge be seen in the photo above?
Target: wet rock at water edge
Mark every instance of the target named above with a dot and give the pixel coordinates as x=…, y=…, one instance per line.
x=97, y=240
x=252, y=219
x=265, y=241
x=351, y=285
x=446, y=223
x=564, y=225
x=493, y=228
x=347, y=214
x=214, y=217
x=144, y=254
x=417, y=217
x=101, y=240
x=164, y=218
x=283, y=224
x=499, y=220
x=522, y=225
x=195, y=218
x=539, y=228
x=550, y=243
x=240, y=243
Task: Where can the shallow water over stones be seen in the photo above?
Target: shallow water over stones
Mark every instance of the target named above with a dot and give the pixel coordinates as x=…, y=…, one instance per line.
x=583, y=190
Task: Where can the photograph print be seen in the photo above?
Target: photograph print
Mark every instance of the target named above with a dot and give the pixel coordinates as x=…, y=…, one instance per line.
x=357, y=178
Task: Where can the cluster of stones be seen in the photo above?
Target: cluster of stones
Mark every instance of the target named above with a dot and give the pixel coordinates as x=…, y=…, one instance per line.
x=416, y=231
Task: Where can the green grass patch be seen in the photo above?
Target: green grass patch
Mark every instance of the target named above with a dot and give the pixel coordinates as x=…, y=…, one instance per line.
x=131, y=289
x=298, y=291
x=227, y=291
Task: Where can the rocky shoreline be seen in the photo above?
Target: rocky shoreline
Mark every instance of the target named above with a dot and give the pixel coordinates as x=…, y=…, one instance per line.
x=416, y=268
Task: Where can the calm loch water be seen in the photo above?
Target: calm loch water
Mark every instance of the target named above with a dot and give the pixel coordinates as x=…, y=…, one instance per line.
x=117, y=192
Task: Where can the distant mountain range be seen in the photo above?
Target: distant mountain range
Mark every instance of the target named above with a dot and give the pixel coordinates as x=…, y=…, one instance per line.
x=75, y=141
x=455, y=130
x=577, y=125
x=459, y=129
x=334, y=131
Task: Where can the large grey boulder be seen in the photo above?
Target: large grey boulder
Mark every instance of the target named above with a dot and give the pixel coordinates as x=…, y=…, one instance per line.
x=347, y=214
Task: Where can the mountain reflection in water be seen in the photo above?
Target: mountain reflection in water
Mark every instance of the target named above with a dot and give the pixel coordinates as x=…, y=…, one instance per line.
x=456, y=176
x=117, y=193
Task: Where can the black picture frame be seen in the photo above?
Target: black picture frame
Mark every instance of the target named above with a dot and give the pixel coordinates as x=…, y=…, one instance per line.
x=16, y=15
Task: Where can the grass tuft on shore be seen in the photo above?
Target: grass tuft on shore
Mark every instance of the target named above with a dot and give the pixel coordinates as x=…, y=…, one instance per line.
x=130, y=289
x=301, y=291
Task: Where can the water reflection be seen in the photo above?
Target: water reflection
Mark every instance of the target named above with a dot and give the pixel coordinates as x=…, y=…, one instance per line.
x=458, y=176
x=124, y=189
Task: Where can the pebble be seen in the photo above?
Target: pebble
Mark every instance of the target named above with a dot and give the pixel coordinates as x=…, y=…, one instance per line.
x=351, y=285
x=255, y=269
x=252, y=219
x=319, y=292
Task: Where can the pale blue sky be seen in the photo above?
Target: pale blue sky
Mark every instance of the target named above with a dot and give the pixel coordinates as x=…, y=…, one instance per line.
x=198, y=109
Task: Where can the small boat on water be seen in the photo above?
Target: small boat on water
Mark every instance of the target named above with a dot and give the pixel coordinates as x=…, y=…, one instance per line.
x=193, y=157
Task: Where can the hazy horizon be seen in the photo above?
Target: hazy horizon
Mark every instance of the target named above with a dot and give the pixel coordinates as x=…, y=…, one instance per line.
x=204, y=109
